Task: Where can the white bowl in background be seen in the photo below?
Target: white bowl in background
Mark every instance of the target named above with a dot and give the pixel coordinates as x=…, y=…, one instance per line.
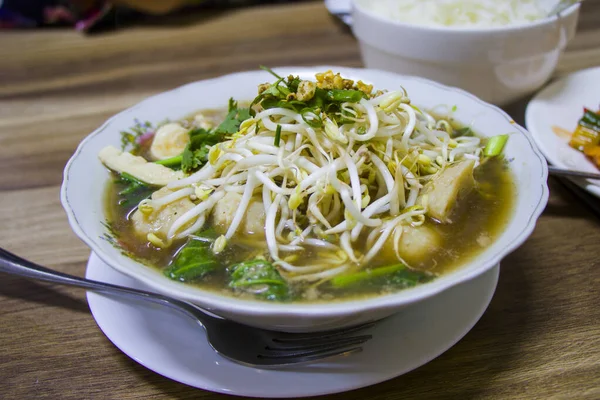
x=85, y=179
x=499, y=64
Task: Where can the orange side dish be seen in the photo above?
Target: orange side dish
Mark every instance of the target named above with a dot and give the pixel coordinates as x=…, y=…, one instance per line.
x=586, y=137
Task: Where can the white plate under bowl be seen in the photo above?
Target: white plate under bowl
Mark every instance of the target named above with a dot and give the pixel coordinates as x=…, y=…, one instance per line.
x=175, y=347
x=560, y=105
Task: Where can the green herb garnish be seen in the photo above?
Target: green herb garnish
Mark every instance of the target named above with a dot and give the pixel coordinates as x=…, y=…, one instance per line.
x=277, y=135
x=398, y=275
x=194, y=260
x=129, y=138
x=131, y=190
x=261, y=278
x=495, y=145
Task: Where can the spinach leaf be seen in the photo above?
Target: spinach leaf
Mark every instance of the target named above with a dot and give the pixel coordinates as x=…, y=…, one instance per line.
x=194, y=260
x=131, y=190
x=261, y=278
x=398, y=275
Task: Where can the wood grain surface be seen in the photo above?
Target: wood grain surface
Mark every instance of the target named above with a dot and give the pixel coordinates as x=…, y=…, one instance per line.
x=539, y=339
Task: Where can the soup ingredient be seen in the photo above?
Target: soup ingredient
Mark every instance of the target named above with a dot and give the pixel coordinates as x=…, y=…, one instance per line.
x=416, y=244
x=195, y=154
x=169, y=141
x=155, y=217
x=260, y=278
x=194, y=260
x=451, y=185
x=458, y=13
x=138, y=134
x=395, y=275
x=132, y=192
x=322, y=180
x=495, y=145
x=586, y=137
x=138, y=167
x=253, y=221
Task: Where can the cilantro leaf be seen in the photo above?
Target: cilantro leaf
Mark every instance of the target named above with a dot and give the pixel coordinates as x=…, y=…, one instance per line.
x=195, y=154
x=234, y=118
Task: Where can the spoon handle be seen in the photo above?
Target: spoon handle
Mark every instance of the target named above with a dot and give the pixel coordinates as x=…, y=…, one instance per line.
x=15, y=265
x=575, y=174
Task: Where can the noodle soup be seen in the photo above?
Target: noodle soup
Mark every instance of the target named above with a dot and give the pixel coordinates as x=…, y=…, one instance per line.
x=316, y=191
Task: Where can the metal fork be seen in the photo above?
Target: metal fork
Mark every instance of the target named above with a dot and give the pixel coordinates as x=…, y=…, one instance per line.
x=240, y=343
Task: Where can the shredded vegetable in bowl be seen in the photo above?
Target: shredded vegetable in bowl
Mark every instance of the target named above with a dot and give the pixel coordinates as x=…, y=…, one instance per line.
x=454, y=13
x=317, y=178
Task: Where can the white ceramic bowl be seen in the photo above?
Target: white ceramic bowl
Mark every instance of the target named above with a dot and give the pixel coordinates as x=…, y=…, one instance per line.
x=85, y=180
x=499, y=64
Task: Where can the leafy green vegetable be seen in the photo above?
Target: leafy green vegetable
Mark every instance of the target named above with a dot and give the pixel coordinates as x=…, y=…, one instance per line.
x=465, y=131
x=171, y=162
x=130, y=138
x=284, y=91
x=234, y=118
x=195, y=154
x=194, y=260
x=344, y=95
x=131, y=190
x=261, y=278
x=590, y=119
x=495, y=145
x=398, y=275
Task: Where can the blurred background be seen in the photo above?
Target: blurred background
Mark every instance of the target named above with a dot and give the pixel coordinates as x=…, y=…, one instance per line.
x=97, y=15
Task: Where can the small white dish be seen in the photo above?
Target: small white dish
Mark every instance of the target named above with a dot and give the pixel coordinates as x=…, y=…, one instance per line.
x=85, y=178
x=552, y=115
x=498, y=64
x=173, y=345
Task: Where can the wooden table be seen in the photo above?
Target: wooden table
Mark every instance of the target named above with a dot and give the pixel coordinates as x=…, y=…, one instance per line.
x=540, y=337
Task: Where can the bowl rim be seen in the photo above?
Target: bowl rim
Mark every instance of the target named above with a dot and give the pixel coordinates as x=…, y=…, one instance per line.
x=248, y=307
x=513, y=28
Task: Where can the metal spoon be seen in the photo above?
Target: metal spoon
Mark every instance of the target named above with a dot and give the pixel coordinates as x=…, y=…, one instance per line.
x=240, y=343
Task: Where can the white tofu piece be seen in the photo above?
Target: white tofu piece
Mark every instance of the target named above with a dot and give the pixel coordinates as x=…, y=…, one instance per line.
x=153, y=174
x=160, y=221
x=447, y=189
x=253, y=222
x=169, y=141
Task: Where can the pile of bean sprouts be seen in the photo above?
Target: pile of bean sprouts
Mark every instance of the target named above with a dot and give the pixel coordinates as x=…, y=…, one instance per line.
x=324, y=188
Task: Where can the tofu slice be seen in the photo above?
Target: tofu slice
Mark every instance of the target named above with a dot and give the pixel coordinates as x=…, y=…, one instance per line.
x=447, y=189
x=169, y=141
x=153, y=174
x=160, y=221
x=416, y=245
x=254, y=219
